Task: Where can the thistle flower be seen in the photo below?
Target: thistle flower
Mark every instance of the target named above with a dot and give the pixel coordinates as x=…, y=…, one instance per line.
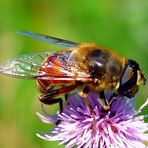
x=119, y=127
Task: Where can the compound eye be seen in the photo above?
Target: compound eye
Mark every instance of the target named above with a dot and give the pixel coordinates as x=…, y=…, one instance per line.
x=127, y=75
x=128, y=83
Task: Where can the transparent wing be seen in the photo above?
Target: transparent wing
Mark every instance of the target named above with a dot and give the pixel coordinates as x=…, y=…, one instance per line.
x=49, y=39
x=44, y=65
x=25, y=66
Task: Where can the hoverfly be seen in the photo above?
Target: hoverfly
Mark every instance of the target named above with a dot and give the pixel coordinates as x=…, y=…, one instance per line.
x=87, y=67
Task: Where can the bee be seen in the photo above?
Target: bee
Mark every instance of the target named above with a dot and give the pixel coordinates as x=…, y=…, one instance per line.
x=84, y=67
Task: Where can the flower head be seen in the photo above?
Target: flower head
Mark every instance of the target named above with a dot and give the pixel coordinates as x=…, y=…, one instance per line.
x=115, y=128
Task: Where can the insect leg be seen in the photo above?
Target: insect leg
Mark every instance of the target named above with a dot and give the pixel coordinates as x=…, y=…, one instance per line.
x=84, y=93
x=112, y=98
x=51, y=96
x=51, y=100
x=66, y=97
x=103, y=101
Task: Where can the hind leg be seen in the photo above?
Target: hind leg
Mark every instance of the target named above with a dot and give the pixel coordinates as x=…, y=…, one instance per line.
x=52, y=95
x=52, y=100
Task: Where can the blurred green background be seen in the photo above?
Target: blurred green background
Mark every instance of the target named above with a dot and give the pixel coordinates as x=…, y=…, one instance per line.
x=120, y=25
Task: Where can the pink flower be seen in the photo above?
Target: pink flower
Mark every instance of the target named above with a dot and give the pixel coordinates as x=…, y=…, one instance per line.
x=119, y=127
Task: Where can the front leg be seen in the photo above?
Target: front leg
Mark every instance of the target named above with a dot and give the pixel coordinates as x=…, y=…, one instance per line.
x=103, y=101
